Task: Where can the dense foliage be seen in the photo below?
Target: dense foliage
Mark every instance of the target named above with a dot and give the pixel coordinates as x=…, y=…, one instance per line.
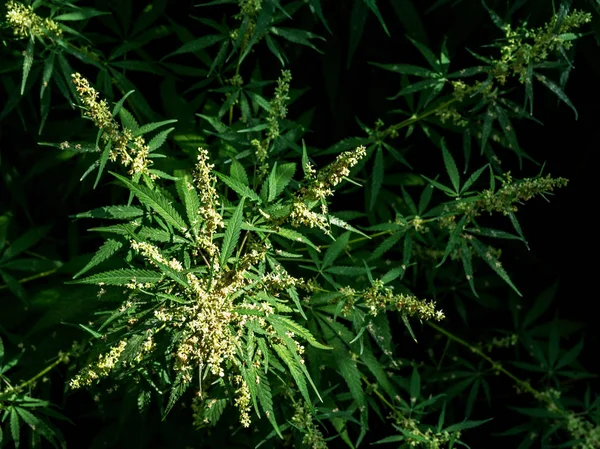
x=191, y=257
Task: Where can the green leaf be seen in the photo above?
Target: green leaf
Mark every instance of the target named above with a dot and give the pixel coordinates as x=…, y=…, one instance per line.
x=179, y=388
x=473, y=178
x=109, y=248
x=280, y=177
x=453, y=241
x=296, y=237
x=155, y=201
x=415, y=385
x=128, y=121
x=288, y=325
x=335, y=249
x=157, y=141
x=241, y=189
x=198, y=44
x=80, y=14
x=372, y=4
x=387, y=244
x=451, y=167
x=24, y=242
x=189, y=197
x=541, y=304
x=122, y=277
x=112, y=212
x=466, y=425
x=358, y=19
x=555, y=88
x=301, y=37
x=103, y=159
x=238, y=172
x=120, y=103
x=232, y=233
x=406, y=69
x=569, y=357
x=15, y=432
x=295, y=368
x=27, y=62
x=144, y=129
x=493, y=262
x=350, y=372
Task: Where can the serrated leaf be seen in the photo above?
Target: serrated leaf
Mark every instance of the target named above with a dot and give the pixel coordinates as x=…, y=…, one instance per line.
x=280, y=177
x=238, y=172
x=24, y=242
x=473, y=178
x=387, y=244
x=179, y=387
x=296, y=237
x=289, y=325
x=109, y=248
x=555, y=88
x=493, y=262
x=241, y=189
x=122, y=277
x=295, y=369
x=120, y=103
x=197, y=44
x=27, y=62
x=80, y=14
x=451, y=167
x=335, y=249
x=144, y=129
x=189, y=197
x=232, y=233
x=112, y=212
x=15, y=431
x=466, y=425
x=155, y=201
x=157, y=141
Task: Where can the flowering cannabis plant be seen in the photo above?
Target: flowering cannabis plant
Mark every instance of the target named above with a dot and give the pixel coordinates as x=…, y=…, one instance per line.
x=253, y=280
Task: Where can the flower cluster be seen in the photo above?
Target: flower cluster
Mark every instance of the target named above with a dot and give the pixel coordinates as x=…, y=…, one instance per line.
x=379, y=297
x=511, y=193
x=25, y=22
x=131, y=150
x=99, y=369
x=524, y=46
x=209, y=200
x=321, y=186
x=303, y=421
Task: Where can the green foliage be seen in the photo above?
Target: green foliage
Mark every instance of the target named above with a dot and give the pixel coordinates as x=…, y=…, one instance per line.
x=290, y=306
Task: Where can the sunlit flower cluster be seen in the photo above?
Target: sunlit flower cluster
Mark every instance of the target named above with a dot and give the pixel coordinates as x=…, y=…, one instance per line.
x=25, y=22
x=131, y=150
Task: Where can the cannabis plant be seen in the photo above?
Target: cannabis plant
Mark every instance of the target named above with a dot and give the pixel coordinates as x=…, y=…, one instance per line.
x=250, y=283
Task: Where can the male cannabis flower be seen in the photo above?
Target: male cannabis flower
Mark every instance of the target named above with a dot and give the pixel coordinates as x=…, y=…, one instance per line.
x=25, y=22
x=132, y=151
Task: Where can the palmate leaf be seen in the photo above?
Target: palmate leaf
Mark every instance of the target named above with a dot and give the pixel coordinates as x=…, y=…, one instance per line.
x=122, y=277
x=296, y=237
x=155, y=201
x=280, y=177
x=109, y=248
x=232, y=233
x=239, y=188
